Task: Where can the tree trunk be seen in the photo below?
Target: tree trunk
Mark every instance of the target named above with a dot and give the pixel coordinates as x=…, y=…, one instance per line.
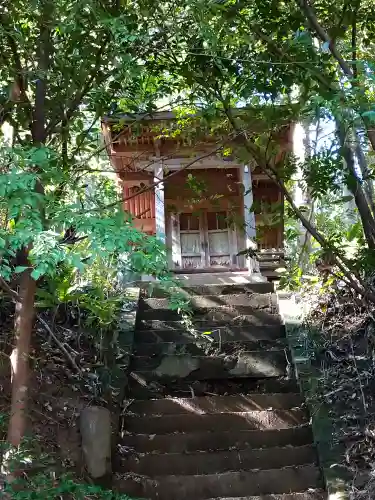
x=302, y=150
x=362, y=161
x=370, y=133
x=25, y=303
x=355, y=187
x=23, y=325
x=256, y=153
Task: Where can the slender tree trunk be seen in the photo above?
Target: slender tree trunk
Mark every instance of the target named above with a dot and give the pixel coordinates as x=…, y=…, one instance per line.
x=350, y=71
x=355, y=187
x=25, y=304
x=305, y=252
x=302, y=151
x=23, y=325
x=362, y=161
x=255, y=152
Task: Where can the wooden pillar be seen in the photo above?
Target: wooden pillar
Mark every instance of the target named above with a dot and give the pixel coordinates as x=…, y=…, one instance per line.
x=173, y=241
x=249, y=217
x=248, y=202
x=159, y=204
x=159, y=201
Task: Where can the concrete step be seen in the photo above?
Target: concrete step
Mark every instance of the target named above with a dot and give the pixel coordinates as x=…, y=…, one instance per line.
x=204, y=346
x=217, y=462
x=246, y=420
x=139, y=388
x=177, y=332
x=255, y=364
x=215, y=318
x=210, y=289
x=216, y=404
x=218, y=440
x=202, y=302
x=265, y=316
x=227, y=484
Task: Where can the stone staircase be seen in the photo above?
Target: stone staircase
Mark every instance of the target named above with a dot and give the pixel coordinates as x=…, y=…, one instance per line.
x=219, y=414
x=271, y=264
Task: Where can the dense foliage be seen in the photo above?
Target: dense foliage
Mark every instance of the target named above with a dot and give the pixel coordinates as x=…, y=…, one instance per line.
x=307, y=62
x=239, y=70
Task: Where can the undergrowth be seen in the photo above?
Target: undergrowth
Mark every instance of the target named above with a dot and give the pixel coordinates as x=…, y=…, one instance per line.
x=341, y=344
x=75, y=357
x=37, y=475
x=47, y=487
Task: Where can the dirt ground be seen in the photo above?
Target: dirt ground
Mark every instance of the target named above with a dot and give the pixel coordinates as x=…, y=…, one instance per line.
x=58, y=391
x=343, y=344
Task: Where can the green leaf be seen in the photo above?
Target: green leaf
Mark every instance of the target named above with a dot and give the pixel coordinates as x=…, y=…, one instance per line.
x=344, y=199
x=354, y=232
x=370, y=115
x=36, y=273
x=39, y=156
x=20, y=269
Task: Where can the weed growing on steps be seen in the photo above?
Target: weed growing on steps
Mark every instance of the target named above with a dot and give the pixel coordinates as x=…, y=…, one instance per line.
x=181, y=303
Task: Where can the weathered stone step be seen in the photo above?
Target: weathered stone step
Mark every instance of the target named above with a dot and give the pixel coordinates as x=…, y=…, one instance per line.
x=216, y=404
x=272, y=265
x=204, y=346
x=266, y=315
x=272, y=274
x=215, y=289
x=202, y=302
x=140, y=389
x=270, y=254
x=213, y=318
x=248, y=420
x=218, y=440
x=306, y=495
x=177, y=332
x=244, y=364
x=227, y=484
x=217, y=462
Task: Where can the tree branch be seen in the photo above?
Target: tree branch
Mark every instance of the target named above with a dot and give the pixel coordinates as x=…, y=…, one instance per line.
x=83, y=91
x=314, y=73
x=60, y=344
x=85, y=135
x=323, y=35
x=20, y=79
x=15, y=295
x=12, y=293
x=164, y=180
x=347, y=70
x=354, y=46
x=273, y=175
x=44, y=50
x=107, y=144
x=361, y=201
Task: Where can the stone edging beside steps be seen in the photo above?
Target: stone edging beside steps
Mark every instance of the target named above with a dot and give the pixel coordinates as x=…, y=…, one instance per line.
x=330, y=454
x=125, y=342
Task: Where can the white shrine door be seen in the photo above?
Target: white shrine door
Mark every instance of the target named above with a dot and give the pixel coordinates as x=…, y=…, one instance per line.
x=218, y=240
x=202, y=240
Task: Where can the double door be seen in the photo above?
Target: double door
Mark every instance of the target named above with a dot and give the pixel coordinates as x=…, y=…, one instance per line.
x=205, y=240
